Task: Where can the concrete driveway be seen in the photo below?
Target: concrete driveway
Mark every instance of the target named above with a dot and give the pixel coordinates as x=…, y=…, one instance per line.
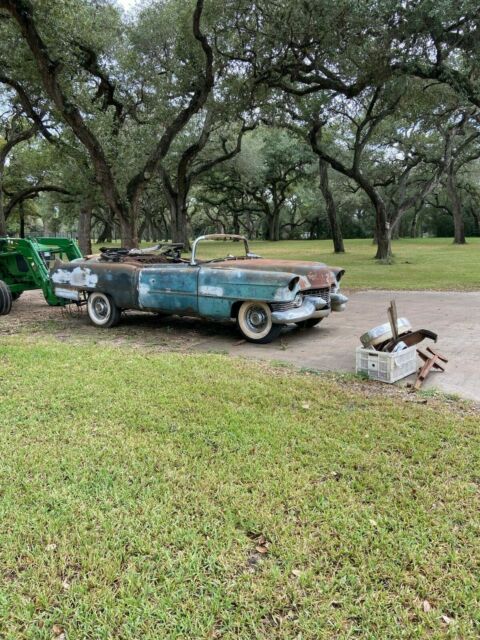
x=331, y=345
x=327, y=347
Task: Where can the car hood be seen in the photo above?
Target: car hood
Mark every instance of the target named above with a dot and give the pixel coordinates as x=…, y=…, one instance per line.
x=318, y=274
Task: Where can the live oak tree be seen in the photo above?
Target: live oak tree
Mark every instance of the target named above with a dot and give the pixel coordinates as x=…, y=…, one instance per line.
x=96, y=84
x=26, y=167
x=150, y=112
x=21, y=122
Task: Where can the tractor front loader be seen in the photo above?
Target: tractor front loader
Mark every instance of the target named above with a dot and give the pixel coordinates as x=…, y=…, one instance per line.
x=25, y=264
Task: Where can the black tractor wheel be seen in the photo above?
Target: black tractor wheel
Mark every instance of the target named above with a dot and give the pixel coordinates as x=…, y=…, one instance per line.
x=5, y=299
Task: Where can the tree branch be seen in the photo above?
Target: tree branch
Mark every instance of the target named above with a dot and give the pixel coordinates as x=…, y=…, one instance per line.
x=31, y=192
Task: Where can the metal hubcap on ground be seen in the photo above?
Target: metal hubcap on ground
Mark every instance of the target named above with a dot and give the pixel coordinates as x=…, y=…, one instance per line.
x=256, y=319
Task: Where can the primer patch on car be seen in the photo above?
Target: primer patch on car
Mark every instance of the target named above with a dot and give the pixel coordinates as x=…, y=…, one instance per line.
x=78, y=277
x=210, y=291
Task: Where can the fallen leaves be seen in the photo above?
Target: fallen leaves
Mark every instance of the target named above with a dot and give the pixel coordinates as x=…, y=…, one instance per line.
x=261, y=548
x=262, y=544
x=426, y=606
x=59, y=632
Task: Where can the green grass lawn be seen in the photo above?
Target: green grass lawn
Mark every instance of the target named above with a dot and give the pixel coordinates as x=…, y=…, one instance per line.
x=196, y=496
x=431, y=263
x=426, y=263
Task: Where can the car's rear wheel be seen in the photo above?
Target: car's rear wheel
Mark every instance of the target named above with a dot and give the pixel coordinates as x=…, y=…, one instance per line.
x=308, y=324
x=5, y=299
x=102, y=311
x=255, y=322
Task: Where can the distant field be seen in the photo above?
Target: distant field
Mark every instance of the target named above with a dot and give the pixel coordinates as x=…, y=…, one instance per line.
x=198, y=496
x=433, y=263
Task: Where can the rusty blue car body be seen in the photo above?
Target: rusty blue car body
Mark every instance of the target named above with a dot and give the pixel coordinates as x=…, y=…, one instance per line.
x=278, y=292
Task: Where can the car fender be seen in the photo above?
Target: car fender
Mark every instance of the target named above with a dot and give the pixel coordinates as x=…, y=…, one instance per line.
x=117, y=280
x=219, y=289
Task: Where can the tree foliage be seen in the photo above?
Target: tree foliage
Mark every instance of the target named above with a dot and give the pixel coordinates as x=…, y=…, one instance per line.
x=280, y=119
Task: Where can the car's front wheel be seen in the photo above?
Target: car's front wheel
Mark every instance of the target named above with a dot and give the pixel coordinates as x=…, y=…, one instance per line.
x=102, y=311
x=255, y=322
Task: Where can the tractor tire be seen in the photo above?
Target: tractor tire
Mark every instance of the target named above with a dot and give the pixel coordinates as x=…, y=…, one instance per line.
x=5, y=299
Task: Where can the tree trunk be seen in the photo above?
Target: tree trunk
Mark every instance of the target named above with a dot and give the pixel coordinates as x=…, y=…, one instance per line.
x=382, y=234
x=21, y=213
x=270, y=235
x=458, y=221
x=382, y=231
x=3, y=222
x=395, y=230
x=84, y=231
x=236, y=224
x=277, y=226
x=272, y=226
x=414, y=224
x=179, y=221
x=331, y=207
x=143, y=233
x=106, y=233
x=128, y=232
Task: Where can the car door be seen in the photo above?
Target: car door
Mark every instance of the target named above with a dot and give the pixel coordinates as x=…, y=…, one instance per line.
x=170, y=288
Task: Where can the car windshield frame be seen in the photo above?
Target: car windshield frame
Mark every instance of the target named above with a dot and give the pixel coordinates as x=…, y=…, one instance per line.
x=218, y=236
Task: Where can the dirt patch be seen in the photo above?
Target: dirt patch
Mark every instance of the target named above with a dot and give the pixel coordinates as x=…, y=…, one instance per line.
x=32, y=316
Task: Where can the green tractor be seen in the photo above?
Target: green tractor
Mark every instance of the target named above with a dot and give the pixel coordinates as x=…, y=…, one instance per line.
x=25, y=264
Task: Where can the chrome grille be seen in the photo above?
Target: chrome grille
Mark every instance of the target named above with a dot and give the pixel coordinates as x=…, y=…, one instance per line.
x=323, y=293
x=283, y=306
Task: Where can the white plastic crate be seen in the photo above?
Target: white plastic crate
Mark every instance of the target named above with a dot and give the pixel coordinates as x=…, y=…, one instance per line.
x=387, y=367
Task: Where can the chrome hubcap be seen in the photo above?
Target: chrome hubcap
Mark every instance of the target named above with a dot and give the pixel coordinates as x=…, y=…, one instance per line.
x=256, y=319
x=100, y=308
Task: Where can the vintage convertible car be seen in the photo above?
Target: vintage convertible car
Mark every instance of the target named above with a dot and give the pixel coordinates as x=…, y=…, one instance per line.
x=260, y=295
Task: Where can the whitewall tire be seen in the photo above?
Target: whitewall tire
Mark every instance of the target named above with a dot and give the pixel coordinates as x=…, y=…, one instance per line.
x=255, y=322
x=102, y=311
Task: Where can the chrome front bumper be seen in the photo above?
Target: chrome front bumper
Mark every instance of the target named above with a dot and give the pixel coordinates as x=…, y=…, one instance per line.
x=311, y=307
x=338, y=301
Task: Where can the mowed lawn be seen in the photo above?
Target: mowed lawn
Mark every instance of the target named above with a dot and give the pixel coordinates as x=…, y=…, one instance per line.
x=427, y=263
x=197, y=496
x=424, y=263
